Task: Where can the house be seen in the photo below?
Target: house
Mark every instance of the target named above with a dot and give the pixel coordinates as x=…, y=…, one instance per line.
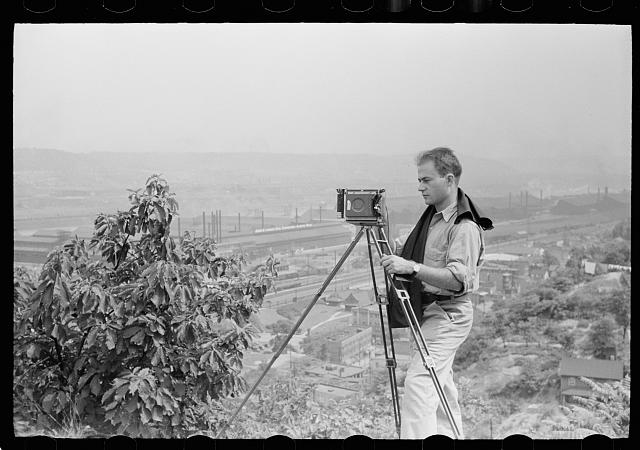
x=351, y=302
x=369, y=316
x=504, y=278
x=594, y=268
x=599, y=370
x=332, y=300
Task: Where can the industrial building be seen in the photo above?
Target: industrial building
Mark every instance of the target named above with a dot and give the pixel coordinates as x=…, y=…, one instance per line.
x=259, y=243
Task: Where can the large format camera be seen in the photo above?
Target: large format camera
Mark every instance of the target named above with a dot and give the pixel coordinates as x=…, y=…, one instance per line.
x=361, y=206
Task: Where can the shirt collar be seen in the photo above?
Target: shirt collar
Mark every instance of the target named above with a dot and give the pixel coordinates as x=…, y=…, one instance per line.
x=449, y=211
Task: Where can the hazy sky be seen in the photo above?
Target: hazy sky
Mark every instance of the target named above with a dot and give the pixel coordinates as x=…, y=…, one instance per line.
x=492, y=90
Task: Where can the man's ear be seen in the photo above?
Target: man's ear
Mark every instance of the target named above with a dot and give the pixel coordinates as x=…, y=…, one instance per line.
x=451, y=179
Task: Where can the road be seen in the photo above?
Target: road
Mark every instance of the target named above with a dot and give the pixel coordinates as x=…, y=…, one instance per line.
x=336, y=316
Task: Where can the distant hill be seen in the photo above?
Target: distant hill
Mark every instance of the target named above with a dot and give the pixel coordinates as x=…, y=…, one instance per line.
x=366, y=171
x=256, y=179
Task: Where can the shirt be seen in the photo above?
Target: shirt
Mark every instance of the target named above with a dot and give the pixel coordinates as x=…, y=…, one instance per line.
x=456, y=247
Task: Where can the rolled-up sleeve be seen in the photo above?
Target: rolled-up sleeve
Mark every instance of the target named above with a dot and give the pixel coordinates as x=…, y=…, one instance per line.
x=463, y=256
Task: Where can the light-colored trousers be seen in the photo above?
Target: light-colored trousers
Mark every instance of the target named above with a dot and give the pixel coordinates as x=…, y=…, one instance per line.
x=445, y=326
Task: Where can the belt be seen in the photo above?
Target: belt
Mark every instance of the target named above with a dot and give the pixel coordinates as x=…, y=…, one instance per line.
x=427, y=297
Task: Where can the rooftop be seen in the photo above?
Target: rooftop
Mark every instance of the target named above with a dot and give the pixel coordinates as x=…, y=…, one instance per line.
x=336, y=370
x=591, y=368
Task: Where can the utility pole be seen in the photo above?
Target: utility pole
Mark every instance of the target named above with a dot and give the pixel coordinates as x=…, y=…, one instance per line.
x=296, y=216
x=204, y=226
x=320, y=213
x=540, y=197
x=213, y=226
x=262, y=223
x=238, y=222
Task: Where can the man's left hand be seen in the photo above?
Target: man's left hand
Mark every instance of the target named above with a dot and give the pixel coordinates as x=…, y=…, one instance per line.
x=396, y=265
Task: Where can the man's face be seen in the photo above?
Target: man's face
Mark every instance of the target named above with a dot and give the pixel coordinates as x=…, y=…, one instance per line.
x=435, y=189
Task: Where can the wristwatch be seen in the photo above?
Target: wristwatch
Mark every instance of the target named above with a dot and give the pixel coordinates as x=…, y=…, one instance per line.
x=416, y=269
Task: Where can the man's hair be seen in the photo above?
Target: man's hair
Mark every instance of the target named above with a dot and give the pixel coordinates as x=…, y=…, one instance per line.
x=443, y=159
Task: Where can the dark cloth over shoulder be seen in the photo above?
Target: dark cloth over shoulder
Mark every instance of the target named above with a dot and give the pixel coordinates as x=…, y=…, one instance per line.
x=413, y=250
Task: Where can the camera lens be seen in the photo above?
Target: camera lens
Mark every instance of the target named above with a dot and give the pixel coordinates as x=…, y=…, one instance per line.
x=357, y=204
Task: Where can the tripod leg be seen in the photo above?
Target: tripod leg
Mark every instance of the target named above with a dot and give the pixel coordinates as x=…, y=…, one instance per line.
x=297, y=325
x=390, y=362
x=418, y=337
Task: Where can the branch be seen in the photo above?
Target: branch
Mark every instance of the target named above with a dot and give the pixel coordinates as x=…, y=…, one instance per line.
x=60, y=361
x=82, y=341
x=120, y=260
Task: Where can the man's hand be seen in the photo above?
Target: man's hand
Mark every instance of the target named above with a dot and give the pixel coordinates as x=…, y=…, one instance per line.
x=396, y=265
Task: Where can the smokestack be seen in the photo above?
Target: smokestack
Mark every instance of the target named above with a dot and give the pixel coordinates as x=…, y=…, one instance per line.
x=296, y=216
x=606, y=191
x=214, y=221
x=204, y=226
x=213, y=225
x=262, y=222
x=598, y=198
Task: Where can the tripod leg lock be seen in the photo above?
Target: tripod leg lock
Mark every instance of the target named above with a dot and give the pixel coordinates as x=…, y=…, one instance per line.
x=391, y=362
x=429, y=362
x=382, y=299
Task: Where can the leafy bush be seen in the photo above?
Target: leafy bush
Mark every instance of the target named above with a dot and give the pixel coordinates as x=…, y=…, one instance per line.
x=600, y=338
x=606, y=411
x=622, y=229
x=282, y=326
x=134, y=333
x=292, y=311
x=535, y=378
x=286, y=407
x=472, y=349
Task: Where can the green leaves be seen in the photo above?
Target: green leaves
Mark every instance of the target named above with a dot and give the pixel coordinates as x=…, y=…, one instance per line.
x=111, y=339
x=138, y=338
x=130, y=324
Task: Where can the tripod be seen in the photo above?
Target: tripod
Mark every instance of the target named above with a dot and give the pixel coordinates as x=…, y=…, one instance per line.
x=403, y=297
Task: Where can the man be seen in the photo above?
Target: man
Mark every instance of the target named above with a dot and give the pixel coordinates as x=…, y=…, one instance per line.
x=441, y=257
